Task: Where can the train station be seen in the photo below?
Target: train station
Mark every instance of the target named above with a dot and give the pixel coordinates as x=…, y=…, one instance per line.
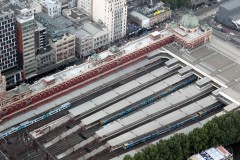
x=126, y=98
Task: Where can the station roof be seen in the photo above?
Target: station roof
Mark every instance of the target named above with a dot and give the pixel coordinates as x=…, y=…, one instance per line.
x=121, y=139
x=82, y=108
x=126, y=87
x=171, y=117
x=146, y=128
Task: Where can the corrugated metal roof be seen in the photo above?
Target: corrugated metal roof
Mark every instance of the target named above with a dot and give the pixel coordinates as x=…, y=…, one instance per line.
x=117, y=106
x=145, y=78
x=229, y=5
x=206, y=101
x=104, y=97
x=172, y=98
x=140, y=95
x=94, y=117
x=133, y=118
x=121, y=139
x=192, y=108
x=139, y=15
x=159, y=86
x=82, y=108
x=160, y=71
x=126, y=87
x=156, y=107
x=171, y=117
x=108, y=128
x=151, y=126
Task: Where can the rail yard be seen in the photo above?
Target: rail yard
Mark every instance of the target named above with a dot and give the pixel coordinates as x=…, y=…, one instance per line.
x=129, y=111
x=151, y=95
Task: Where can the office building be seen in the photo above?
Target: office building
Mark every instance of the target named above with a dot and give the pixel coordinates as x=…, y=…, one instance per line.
x=26, y=44
x=52, y=7
x=229, y=14
x=113, y=14
x=85, y=6
x=8, y=53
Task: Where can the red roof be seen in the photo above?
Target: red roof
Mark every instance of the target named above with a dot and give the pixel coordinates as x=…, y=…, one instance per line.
x=223, y=150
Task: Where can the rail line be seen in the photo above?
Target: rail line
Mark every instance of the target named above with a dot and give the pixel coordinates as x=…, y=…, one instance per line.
x=160, y=114
x=93, y=93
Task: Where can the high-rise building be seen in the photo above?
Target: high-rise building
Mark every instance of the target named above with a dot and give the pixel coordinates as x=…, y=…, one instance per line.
x=40, y=36
x=85, y=6
x=113, y=14
x=8, y=54
x=26, y=44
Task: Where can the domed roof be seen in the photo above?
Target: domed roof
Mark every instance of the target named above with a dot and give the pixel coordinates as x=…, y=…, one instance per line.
x=189, y=21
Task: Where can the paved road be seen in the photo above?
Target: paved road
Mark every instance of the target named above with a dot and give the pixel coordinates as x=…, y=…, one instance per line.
x=207, y=14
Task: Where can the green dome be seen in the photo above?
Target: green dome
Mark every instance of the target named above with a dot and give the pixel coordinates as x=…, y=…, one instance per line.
x=189, y=21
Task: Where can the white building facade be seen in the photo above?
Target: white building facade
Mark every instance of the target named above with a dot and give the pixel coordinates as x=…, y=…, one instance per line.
x=113, y=13
x=85, y=6
x=52, y=7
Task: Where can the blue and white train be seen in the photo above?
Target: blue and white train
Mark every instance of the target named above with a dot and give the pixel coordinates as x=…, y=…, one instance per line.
x=150, y=99
x=30, y=122
x=173, y=126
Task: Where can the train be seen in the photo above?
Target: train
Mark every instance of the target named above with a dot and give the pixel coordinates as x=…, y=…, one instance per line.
x=175, y=125
x=30, y=122
x=150, y=99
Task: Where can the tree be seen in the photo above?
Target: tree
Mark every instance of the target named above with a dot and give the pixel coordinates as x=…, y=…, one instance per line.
x=223, y=130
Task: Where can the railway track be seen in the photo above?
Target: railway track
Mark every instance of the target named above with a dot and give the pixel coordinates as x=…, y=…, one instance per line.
x=101, y=90
x=123, y=96
x=120, y=151
x=151, y=117
x=92, y=94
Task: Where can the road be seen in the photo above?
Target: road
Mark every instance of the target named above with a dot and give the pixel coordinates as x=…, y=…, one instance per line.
x=207, y=14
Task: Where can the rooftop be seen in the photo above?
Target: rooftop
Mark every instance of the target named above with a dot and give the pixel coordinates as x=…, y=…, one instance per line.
x=48, y=2
x=55, y=27
x=218, y=153
x=230, y=5
x=19, y=5
x=80, y=33
x=93, y=29
x=44, y=50
x=138, y=15
x=152, y=11
x=73, y=71
x=189, y=21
